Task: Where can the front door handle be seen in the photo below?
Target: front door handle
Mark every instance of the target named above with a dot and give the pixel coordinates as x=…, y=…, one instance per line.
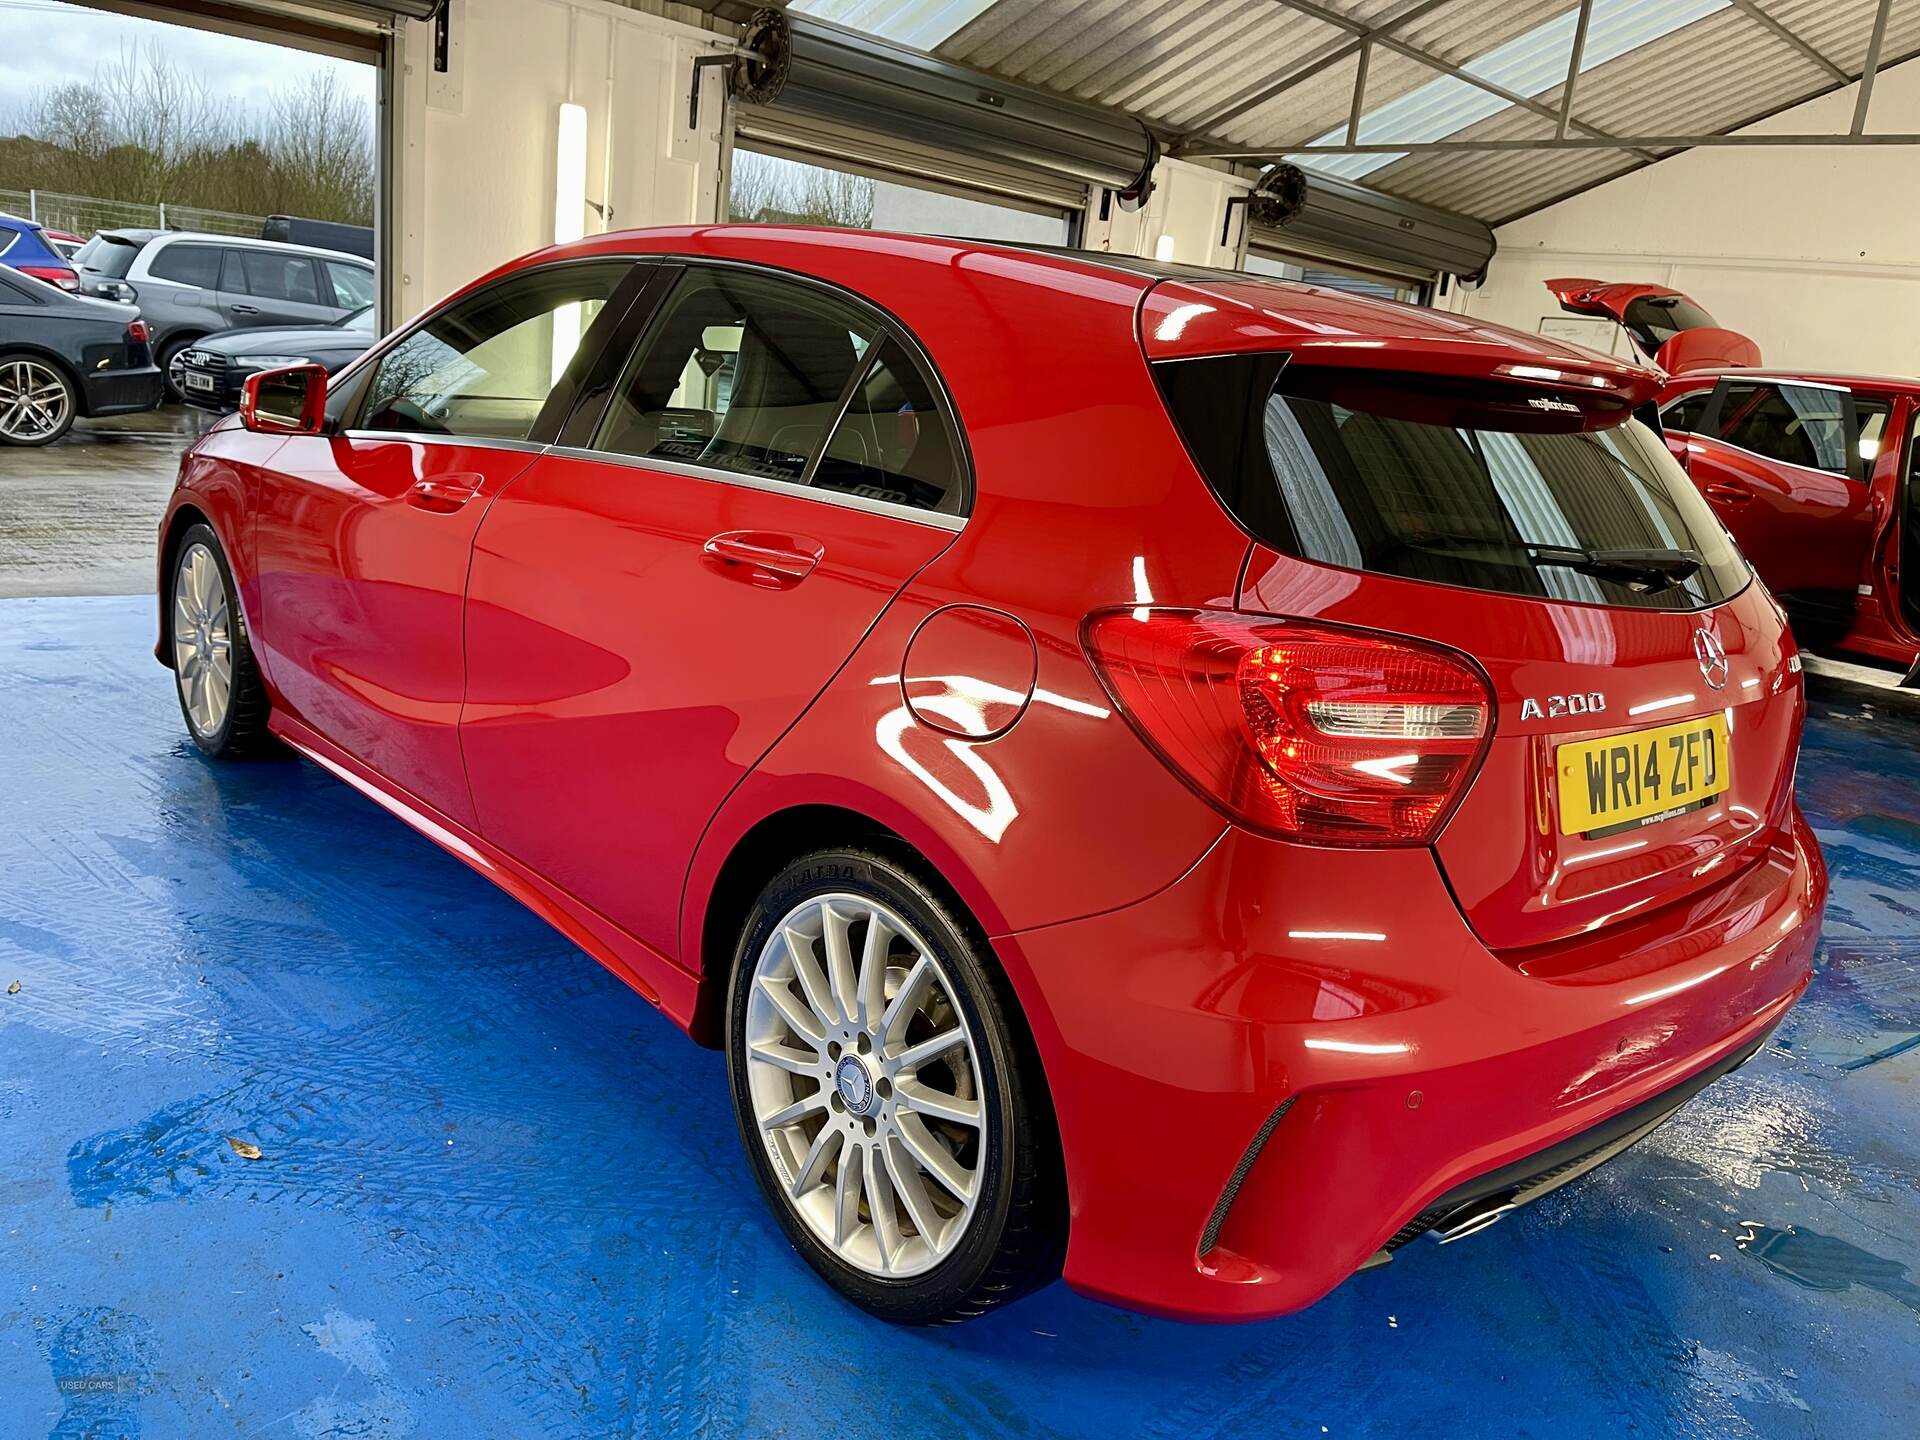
x=787, y=559
x=445, y=495
x=1727, y=494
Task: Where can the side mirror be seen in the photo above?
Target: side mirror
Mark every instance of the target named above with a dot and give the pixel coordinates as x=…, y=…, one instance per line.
x=291, y=401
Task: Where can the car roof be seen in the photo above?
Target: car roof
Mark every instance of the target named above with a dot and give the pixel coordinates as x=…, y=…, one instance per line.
x=1291, y=312
x=1850, y=379
x=19, y=221
x=244, y=242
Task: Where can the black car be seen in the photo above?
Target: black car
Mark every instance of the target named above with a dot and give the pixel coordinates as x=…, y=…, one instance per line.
x=210, y=371
x=63, y=356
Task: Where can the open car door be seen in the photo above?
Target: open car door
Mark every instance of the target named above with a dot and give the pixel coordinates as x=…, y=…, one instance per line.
x=1667, y=327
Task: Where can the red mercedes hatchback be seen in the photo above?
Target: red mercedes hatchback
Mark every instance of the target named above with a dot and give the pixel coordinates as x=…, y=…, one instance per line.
x=1190, y=780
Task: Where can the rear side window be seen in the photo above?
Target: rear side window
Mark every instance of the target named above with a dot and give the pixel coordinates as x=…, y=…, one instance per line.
x=197, y=265
x=1446, y=482
x=1798, y=424
x=271, y=276
x=107, y=255
x=893, y=443
x=739, y=372
x=1686, y=413
x=8, y=239
x=352, y=286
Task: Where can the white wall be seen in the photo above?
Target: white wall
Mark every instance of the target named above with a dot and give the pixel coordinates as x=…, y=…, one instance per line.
x=1814, y=252
x=1181, y=220
x=475, y=173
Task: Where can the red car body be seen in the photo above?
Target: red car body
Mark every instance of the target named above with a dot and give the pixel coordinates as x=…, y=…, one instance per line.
x=1832, y=542
x=1666, y=326
x=554, y=673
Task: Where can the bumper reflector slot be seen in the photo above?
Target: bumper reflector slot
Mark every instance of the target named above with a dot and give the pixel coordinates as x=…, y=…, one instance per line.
x=1211, y=1235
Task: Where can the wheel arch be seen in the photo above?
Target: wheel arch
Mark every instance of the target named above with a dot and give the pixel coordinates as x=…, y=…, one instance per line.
x=781, y=835
x=714, y=910
x=183, y=518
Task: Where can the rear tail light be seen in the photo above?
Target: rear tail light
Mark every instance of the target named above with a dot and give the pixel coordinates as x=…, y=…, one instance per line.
x=138, y=332
x=59, y=275
x=1300, y=729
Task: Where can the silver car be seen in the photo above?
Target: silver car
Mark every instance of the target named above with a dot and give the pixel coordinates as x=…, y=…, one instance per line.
x=189, y=285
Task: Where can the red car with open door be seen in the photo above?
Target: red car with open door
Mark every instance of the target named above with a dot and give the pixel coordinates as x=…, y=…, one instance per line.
x=1667, y=327
x=1168, y=776
x=1814, y=476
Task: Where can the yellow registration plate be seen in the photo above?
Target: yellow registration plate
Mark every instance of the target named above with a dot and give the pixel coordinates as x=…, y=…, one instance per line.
x=1648, y=774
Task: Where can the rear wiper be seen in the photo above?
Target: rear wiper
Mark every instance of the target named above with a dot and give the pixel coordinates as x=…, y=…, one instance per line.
x=1643, y=570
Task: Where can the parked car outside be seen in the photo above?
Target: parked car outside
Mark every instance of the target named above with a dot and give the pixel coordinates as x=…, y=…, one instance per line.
x=67, y=245
x=190, y=285
x=1813, y=473
x=1183, y=776
x=1665, y=326
x=211, y=371
x=63, y=356
x=24, y=246
x=325, y=234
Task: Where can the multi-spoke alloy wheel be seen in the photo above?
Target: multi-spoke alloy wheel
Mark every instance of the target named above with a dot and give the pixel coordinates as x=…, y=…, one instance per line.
x=887, y=1095
x=36, y=401
x=222, y=697
x=202, y=640
x=865, y=1084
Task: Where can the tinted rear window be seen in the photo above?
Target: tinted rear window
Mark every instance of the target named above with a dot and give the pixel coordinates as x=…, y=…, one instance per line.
x=105, y=255
x=1656, y=319
x=1440, y=481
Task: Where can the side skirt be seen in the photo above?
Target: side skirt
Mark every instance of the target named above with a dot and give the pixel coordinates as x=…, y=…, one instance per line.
x=658, y=979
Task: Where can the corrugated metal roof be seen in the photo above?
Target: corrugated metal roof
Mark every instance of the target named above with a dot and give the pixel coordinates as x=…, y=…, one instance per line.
x=1204, y=71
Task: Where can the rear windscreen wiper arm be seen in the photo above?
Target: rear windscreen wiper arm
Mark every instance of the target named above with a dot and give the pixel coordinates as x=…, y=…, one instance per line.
x=1649, y=569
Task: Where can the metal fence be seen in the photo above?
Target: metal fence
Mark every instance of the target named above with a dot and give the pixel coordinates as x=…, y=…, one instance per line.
x=83, y=214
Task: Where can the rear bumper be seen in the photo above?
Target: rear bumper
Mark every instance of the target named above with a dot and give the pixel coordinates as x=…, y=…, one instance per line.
x=119, y=392
x=1336, y=1009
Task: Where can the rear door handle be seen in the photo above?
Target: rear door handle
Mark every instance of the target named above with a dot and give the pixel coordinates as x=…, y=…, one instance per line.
x=789, y=559
x=246, y=309
x=1727, y=494
x=443, y=496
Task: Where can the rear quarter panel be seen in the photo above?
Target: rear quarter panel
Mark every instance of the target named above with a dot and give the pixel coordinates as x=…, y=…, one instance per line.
x=1085, y=499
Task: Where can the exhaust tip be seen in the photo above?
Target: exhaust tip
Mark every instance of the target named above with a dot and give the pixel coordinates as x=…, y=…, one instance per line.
x=1475, y=1216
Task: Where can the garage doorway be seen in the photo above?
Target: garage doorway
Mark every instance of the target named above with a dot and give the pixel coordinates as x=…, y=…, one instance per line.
x=341, y=37
x=768, y=186
x=1350, y=279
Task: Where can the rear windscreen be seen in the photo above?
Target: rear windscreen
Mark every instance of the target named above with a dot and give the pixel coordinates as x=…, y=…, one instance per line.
x=104, y=255
x=1465, y=484
x=1656, y=319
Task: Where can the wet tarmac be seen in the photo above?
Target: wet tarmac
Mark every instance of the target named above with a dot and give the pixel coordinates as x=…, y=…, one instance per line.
x=496, y=1195
x=79, y=517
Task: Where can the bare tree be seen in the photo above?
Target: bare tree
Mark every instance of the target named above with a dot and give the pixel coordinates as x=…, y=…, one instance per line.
x=148, y=130
x=771, y=190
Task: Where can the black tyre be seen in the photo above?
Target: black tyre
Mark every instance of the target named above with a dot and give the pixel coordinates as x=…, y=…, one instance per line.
x=891, y=1109
x=218, y=683
x=168, y=361
x=38, y=401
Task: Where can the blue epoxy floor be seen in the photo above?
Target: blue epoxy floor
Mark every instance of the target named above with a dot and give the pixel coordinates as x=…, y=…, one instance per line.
x=498, y=1196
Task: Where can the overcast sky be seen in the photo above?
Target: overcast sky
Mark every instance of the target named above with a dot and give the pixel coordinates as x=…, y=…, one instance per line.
x=44, y=43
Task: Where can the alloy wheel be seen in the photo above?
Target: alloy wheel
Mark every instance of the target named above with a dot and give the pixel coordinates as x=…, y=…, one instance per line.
x=202, y=640
x=864, y=1082
x=34, y=401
